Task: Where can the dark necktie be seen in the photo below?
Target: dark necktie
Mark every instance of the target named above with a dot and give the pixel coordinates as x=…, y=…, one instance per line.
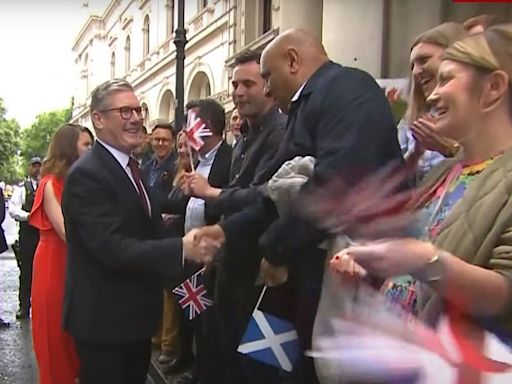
x=134, y=168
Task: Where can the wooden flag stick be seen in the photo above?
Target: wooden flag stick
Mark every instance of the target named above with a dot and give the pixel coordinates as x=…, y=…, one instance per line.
x=192, y=168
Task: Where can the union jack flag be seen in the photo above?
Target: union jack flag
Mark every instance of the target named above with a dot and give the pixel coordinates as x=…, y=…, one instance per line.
x=192, y=295
x=195, y=129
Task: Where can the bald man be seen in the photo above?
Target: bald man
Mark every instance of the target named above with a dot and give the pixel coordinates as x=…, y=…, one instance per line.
x=340, y=116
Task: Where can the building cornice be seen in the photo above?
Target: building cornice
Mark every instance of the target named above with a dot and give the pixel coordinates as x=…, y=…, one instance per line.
x=92, y=21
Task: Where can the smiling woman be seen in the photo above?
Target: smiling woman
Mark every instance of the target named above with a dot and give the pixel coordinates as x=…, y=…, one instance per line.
x=464, y=255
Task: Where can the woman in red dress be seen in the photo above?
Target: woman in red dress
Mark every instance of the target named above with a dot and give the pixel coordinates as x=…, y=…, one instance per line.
x=55, y=353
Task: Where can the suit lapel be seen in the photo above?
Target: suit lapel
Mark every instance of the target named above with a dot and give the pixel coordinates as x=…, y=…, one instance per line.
x=116, y=171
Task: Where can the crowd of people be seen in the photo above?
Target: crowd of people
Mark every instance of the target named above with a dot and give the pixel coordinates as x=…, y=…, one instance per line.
x=119, y=219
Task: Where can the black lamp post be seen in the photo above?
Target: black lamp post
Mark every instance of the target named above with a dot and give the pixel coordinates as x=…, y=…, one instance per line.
x=180, y=40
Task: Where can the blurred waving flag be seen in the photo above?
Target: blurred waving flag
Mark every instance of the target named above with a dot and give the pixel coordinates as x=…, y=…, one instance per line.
x=196, y=129
x=192, y=295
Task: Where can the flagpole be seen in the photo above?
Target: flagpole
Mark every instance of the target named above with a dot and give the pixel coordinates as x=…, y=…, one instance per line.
x=192, y=168
x=261, y=297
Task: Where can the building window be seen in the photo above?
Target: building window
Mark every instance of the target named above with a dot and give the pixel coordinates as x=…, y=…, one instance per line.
x=203, y=4
x=127, y=49
x=145, y=34
x=113, y=66
x=267, y=15
x=86, y=74
x=169, y=11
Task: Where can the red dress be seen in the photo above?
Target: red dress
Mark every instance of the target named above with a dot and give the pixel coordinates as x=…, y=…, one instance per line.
x=54, y=349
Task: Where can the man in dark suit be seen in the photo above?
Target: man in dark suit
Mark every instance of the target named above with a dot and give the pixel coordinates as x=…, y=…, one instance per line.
x=117, y=261
x=3, y=242
x=214, y=163
x=262, y=131
x=338, y=115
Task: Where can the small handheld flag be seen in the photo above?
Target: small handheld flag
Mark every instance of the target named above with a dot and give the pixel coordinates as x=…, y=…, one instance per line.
x=270, y=340
x=192, y=295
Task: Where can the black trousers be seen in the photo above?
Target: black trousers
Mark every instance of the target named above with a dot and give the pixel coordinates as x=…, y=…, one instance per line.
x=114, y=364
x=28, y=239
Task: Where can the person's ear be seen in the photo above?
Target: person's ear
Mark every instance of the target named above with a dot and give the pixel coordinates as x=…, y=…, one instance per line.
x=495, y=88
x=293, y=60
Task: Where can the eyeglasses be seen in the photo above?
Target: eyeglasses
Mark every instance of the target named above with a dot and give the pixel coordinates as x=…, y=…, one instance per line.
x=127, y=112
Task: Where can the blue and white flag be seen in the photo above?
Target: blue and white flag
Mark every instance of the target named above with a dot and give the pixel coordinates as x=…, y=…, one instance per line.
x=270, y=340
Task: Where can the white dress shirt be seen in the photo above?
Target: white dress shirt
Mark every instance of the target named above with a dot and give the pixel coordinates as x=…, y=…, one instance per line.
x=123, y=159
x=194, y=216
x=17, y=201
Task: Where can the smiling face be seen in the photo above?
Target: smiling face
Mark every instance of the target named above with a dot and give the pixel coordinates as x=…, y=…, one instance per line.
x=424, y=61
x=162, y=141
x=248, y=90
x=456, y=101
x=122, y=134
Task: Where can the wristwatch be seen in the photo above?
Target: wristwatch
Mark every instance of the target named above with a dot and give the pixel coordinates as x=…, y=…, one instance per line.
x=432, y=271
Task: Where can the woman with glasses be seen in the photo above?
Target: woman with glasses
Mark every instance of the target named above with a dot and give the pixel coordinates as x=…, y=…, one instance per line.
x=54, y=349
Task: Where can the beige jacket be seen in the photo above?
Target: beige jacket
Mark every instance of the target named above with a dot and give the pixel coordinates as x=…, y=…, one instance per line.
x=479, y=227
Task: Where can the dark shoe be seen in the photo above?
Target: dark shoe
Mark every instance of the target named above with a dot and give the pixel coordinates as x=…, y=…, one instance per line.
x=166, y=357
x=4, y=324
x=176, y=365
x=21, y=315
x=187, y=378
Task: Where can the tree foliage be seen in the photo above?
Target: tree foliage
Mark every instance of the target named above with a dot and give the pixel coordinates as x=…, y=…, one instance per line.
x=36, y=138
x=9, y=147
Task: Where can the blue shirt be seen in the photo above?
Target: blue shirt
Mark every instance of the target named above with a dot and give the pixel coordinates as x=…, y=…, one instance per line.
x=428, y=160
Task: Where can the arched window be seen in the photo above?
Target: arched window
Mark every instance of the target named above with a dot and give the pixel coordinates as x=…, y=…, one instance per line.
x=200, y=87
x=113, y=66
x=127, y=52
x=169, y=12
x=145, y=34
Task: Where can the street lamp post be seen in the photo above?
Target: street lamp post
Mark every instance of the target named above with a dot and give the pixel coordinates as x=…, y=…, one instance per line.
x=180, y=40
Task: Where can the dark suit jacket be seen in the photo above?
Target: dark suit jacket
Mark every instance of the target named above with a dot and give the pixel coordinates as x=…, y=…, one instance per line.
x=341, y=118
x=3, y=242
x=252, y=156
x=176, y=202
x=117, y=261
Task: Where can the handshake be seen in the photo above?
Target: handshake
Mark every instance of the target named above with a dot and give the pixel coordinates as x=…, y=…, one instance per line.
x=200, y=245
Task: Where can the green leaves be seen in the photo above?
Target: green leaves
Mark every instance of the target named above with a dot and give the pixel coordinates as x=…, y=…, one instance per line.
x=9, y=147
x=17, y=145
x=36, y=138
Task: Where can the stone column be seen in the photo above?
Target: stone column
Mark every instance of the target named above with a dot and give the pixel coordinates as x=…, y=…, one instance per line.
x=352, y=33
x=305, y=14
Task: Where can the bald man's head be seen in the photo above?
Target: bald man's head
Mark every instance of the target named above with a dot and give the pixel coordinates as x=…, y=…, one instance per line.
x=289, y=61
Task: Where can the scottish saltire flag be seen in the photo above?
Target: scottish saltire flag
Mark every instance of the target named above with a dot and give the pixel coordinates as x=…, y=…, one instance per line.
x=192, y=295
x=195, y=129
x=270, y=340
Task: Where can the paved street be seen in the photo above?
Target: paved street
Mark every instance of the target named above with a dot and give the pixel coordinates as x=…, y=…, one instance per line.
x=17, y=364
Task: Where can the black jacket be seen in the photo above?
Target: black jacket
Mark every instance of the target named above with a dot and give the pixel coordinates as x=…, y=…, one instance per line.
x=117, y=261
x=343, y=119
x=252, y=155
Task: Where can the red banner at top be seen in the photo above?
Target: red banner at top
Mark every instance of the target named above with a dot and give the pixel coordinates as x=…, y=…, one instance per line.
x=481, y=1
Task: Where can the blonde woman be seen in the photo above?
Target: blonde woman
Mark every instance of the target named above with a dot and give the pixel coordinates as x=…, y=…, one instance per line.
x=465, y=258
x=416, y=130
